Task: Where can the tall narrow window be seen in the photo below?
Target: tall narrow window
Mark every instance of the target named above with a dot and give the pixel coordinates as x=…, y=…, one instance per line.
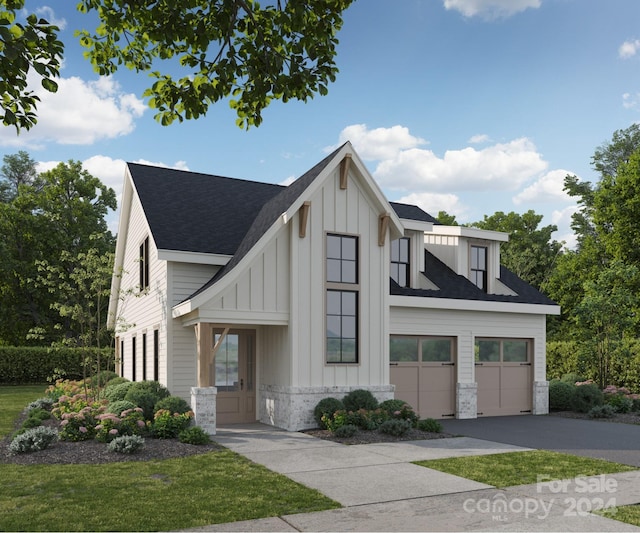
x=133, y=359
x=122, y=358
x=156, y=354
x=479, y=267
x=400, y=261
x=342, y=299
x=144, y=264
x=144, y=357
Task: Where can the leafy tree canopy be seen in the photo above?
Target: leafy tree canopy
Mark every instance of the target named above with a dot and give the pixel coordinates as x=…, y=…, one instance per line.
x=240, y=49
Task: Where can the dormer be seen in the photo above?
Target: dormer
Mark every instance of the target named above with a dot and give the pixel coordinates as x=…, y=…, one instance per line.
x=470, y=252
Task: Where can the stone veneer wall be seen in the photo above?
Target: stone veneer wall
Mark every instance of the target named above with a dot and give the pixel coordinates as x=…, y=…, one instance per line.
x=466, y=400
x=541, y=398
x=291, y=408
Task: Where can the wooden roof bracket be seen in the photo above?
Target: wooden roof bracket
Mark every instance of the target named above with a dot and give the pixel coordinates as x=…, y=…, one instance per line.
x=217, y=345
x=383, y=226
x=304, y=217
x=344, y=171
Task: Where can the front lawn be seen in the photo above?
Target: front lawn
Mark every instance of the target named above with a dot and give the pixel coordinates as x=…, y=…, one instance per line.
x=211, y=488
x=521, y=468
x=199, y=490
x=626, y=513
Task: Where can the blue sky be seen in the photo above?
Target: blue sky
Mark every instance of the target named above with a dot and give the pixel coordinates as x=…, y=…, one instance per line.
x=467, y=106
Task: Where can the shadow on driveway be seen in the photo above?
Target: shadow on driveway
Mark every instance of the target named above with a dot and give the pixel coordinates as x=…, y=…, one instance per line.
x=588, y=438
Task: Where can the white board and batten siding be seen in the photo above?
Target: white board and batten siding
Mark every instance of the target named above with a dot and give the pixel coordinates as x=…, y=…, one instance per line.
x=142, y=312
x=348, y=212
x=183, y=280
x=466, y=326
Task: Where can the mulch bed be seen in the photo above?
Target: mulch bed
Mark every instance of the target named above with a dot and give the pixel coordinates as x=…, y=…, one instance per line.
x=621, y=418
x=92, y=451
x=370, y=437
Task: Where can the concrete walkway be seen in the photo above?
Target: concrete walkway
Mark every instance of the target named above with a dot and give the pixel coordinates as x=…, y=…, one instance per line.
x=382, y=491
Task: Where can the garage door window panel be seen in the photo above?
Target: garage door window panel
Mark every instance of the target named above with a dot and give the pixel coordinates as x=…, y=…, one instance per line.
x=437, y=350
x=515, y=351
x=488, y=351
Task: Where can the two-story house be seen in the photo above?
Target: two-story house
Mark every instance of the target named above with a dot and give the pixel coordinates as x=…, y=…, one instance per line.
x=254, y=301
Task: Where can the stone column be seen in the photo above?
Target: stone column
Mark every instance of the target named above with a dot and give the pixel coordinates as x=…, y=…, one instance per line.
x=540, y=398
x=466, y=400
x=203, y=405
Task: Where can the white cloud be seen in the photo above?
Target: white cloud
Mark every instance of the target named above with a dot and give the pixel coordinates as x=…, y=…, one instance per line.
x=81, y=112
x=548, y=188
x=47, y=13
x=479, y=139
x=434, y=203
x=629, y=48
x=379, y=143
x=562, y=219
x=497, y=167
x=491, y=9
x=631, y=101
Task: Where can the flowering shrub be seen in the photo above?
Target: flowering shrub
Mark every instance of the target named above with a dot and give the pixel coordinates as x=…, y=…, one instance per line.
x=76, y=403
x=619, y=398
x=111, y=426
x=126, y=444
x=168, y=425
x=33, y=440
x=78, y=426
x=406, y=412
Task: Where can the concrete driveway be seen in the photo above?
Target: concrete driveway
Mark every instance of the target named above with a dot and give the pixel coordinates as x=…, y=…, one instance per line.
x=588, y=438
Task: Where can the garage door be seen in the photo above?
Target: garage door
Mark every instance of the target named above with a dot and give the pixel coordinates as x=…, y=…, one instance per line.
x=504, y=376
x=423, y=371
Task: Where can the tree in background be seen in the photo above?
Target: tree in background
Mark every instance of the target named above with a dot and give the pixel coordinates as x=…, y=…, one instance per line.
x=226, y=48
x=53, y=217
x=530, y=252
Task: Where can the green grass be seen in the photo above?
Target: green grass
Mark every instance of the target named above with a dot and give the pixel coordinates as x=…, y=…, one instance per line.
x=13, y=399
x=214, y=487
x=626, y=513
x=521, y=468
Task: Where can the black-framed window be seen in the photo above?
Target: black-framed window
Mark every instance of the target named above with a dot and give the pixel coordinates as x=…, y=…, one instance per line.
x=342, y=299
x=342, y=259
x=144, y=264
x=478, y=267
x=122, y=358
x=156, y=354
x=133, y=359
x=144, y=357
x=400, y=262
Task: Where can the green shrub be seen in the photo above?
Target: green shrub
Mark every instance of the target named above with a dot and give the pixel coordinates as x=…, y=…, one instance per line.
x=602, y=411
x=360, y=399
x=34, y=364
x=194, y=435
x=114, y=392
x=392, y=405
x=346, y=431
x=367, y=420
x=78, y=426
x=167, y=425
x=619, y=402
x=585, y=397
x=175, y=404
x=111, y=426
x=31, y=422
x=39, y=413
x=572, y=378
x=430, y=424
x=33, y=440
x=405, y=412
x=636, y=405
x=146, y=394
x=102, y=378
x=326, y=408
x=396, y=427
x=116, y=381
x=561, y=395
x=126, y=444
x=120, y=405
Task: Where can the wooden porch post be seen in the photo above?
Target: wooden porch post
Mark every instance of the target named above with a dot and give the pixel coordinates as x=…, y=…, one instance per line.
x=204, y=346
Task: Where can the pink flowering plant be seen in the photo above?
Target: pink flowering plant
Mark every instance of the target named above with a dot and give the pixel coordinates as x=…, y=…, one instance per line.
x=77, y=426
x=129, y=422
x=620, y=398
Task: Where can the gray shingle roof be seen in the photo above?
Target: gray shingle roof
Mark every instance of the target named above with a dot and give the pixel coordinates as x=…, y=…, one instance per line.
x=454, y=286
